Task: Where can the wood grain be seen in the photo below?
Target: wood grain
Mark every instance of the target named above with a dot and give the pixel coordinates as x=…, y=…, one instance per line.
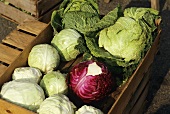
x=18, y=39
x=27, y=5
x=8, y=54
x=3, y=68
x=14, y=14
x=9, y=108
x=32, y=26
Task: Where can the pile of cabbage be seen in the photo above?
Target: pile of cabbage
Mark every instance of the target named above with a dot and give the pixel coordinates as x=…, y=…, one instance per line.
x=111, y=48
x=42, y=88
x=119, y=39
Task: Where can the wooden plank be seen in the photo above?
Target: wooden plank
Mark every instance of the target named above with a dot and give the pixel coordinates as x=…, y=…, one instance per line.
x=9, y=108
x=32, y=26
x=27, y=5
x=45, y=18
x=44, y=5
x=14, y=14
x=140, y=102
x=44, y=37
x=106, y=1
x=8, y=54
x=155, y=4
x=2, y=69
x=18, y=39
x=138, y=92
x=124, y=97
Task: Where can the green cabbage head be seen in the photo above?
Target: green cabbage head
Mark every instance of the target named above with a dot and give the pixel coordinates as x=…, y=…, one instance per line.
x=57, y=104
x=66, y=42
x=54, y=83
x=126, y=39
x=23, y=93
x=44, y=57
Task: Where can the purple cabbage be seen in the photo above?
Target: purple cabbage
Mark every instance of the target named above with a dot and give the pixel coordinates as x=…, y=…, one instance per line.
x=90, y=87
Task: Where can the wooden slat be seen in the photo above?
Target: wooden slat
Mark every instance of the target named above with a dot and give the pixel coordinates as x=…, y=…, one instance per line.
x=45, y=18
x=18, y=39
x=106, y=1
x=138, y=92
x=8, y=54
x=155, y=4
x=124, y=97
x=32, y=26
x=3, y=68
x=13, y=13
x=27, y=5
x=9, y=108
x=140, y=102
x=44, y=5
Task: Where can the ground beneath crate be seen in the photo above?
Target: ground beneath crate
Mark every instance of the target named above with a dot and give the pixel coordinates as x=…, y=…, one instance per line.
x=159, y=93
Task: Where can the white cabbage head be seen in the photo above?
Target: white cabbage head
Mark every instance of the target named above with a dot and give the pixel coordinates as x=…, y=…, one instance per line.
x=23, y=93
x=88, y=110
x=57, y=104
x=27, y=73
x=44, y=56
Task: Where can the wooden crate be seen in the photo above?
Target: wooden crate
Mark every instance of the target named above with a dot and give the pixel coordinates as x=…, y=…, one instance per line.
x=36, y=9
x=14, y=51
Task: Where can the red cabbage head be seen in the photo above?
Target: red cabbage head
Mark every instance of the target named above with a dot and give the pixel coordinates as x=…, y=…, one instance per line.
x=90, y=80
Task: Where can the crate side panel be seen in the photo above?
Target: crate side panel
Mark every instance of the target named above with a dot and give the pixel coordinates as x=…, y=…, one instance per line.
x=27, y=5
x=140, y=101
x=45, y=18
x=9, y=108
x=8, y=54
x=3, y=68
x=14, y=14
x=124, y=97
x=44, y=5
x=18, y=39
x=32, y=26
x=138, y=91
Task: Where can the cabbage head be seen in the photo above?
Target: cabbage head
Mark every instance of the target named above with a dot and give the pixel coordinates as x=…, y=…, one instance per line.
x=23, y=93
x=68, y=43
x=27, y=73
x=57, y=104
x=44, y=57
x=126, y=39
x=85, y=109
x=54, y=83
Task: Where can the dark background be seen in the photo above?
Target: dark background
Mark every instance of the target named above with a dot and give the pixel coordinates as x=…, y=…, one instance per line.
x=159, y=93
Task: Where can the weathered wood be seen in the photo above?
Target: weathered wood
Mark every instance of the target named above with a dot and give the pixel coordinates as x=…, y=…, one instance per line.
x=32, y=26
x=2, y=69
x=155, y=4
x=9, y=108
x=27, y=5
x=47, y=16
x=20, y=10
x=138, y=91
x=13, y=13
x=8, y=54
x=44, y=5
x=140, y=102
x=36, y=7
x=106, y=1
x=18, y=39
